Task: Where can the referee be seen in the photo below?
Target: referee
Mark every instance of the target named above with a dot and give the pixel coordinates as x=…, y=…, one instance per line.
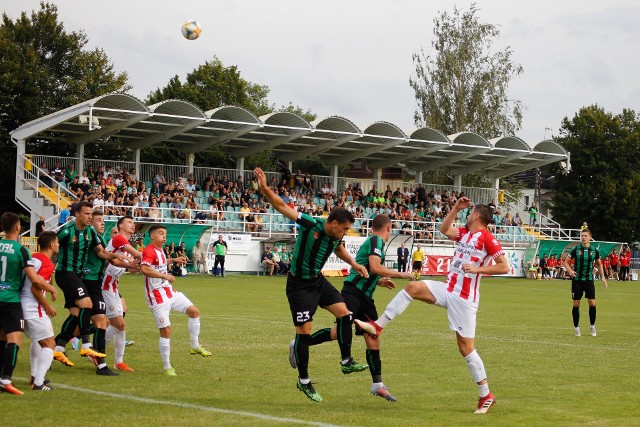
x=581, y=275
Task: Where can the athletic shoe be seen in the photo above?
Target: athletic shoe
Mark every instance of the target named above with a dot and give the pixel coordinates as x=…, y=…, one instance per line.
x=43, y=387
x=201, y=351
x=122, y=367
x=89, y=352
x=577, y=331
x=381, y=391
x=309, y=391
x=129, y=343
x=75, y=343
x=352, y=366
x=484, y=403
x=62, y=358
x=9, y=388
x=106, y=372
x=32, y=381
x=369, y=327
x=171, y=372
x=592, y=328
x=292, y=355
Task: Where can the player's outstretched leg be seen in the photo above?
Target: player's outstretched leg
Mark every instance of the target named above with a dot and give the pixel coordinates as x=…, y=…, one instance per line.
x=194, y=332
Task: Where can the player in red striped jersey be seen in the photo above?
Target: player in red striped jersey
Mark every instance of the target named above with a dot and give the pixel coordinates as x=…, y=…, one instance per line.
x=37, y=311
x=161, y=297
x=460, y=294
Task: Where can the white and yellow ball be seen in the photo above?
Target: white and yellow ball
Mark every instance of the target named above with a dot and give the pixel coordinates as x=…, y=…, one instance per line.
x=191, y=30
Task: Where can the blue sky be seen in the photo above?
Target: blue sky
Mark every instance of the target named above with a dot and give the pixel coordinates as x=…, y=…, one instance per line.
x=353, y=58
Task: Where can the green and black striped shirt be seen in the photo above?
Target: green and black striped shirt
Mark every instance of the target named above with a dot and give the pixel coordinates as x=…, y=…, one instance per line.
x=95, y=267
x=14, y=258
x=374, y=245
x=584, y=258
x=75, y=245
x=313, y=248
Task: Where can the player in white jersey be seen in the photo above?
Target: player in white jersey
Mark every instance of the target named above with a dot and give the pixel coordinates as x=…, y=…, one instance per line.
x=460, y=294
x=119, y=244
x=36, y=311
x=162, y=298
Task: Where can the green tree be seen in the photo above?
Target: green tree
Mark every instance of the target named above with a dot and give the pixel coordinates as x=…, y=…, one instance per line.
x=43, y=69
x=463, y=85
x=603, y=187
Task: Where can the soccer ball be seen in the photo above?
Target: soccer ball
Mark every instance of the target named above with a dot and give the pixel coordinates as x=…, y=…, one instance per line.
x=191, y=30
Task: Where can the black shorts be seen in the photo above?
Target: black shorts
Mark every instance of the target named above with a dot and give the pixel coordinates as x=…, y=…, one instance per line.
x=11, y=319
x=94, y=287
x=72, y=287
x=578, y=287
x=305, y=295
x=417, y=265
x=361, y=306
x=614, y=268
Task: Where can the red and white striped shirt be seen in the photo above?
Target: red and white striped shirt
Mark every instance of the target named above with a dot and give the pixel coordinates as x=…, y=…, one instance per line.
x=112, y=273
x=477, y=248
x=31, y=308
x=158, y=290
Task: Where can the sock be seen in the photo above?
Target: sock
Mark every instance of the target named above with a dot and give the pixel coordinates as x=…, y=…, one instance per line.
x=375, y=365
x=397, y=306
x=323, y=335
x=165, y=352
x=301, y=350
x=66, y=332
x=99, y=345
x=345, y=335
x=86, y=345
x=111, y=332
x=576, y=316
x=86, y=340
x=592, y=315
x=118, y=343
x=44, y=363
x=3, y=345
x=10, y=359
x=84, y=321
x=194, y=331
x=483, y=390
x=34, y=355
x=476, y=367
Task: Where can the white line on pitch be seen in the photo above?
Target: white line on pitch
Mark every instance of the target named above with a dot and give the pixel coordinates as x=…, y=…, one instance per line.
x=192, y=406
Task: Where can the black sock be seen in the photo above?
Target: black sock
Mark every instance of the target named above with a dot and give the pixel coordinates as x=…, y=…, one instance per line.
x=67, y=330
x=3, y=345
x=10, y=358
x=99, y=340
x=84, y=321
x=323, y=335
x=301, y=350
x=86, y=339
x=375, y=365
x=592, y=315
x=345, y=335
x=576, y=316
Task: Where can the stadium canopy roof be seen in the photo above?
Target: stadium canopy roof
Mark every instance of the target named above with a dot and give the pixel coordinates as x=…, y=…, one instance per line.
x=335, y=140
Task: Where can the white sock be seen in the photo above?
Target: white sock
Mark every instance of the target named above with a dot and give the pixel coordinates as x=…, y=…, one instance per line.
x=165, y=352
x=86, y=345
x=476, y=367
x=34, y=355
x=44, y=363
x=398, y=304
x=483, y=390
x=109, y=334
x=59, y=349
x=118, y=343
x=194, y=331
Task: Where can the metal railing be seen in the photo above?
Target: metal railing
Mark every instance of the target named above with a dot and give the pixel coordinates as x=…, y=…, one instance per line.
x=35, y=178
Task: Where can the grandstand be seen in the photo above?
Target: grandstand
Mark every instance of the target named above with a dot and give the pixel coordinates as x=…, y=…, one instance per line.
x=334, y=140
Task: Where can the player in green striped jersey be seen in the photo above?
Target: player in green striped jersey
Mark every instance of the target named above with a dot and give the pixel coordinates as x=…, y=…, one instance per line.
x=584, y=257
x=15, y=265
x=358, y=295
x=307, y=288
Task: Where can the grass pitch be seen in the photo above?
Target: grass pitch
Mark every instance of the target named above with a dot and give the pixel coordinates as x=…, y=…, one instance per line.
x=540, y=373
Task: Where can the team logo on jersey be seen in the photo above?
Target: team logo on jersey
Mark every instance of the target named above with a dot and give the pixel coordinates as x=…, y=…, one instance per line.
x=74, y=239
x=377, y=251
x=316, y=235
x=161, y=320
x=110, y=308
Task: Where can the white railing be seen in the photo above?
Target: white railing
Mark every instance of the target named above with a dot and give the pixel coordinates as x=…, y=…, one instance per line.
x=35, y=178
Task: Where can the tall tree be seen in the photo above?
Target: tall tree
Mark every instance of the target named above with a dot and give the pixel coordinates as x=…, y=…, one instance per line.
x=463, y=85
x=43, y=69
x=603, y=187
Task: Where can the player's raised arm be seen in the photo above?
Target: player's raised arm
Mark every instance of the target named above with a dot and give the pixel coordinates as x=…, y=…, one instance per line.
x=39, y=283
x=275, y=200
x=447, y=223
x=376, y=267
x=342, y=253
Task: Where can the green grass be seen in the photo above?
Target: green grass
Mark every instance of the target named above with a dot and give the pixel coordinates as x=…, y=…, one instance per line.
x=540, y=373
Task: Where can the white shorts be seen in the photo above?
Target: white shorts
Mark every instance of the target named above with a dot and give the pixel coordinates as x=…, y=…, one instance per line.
x=461, y=313
x=38, y=329
x=178, y=302
x=113, y=302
